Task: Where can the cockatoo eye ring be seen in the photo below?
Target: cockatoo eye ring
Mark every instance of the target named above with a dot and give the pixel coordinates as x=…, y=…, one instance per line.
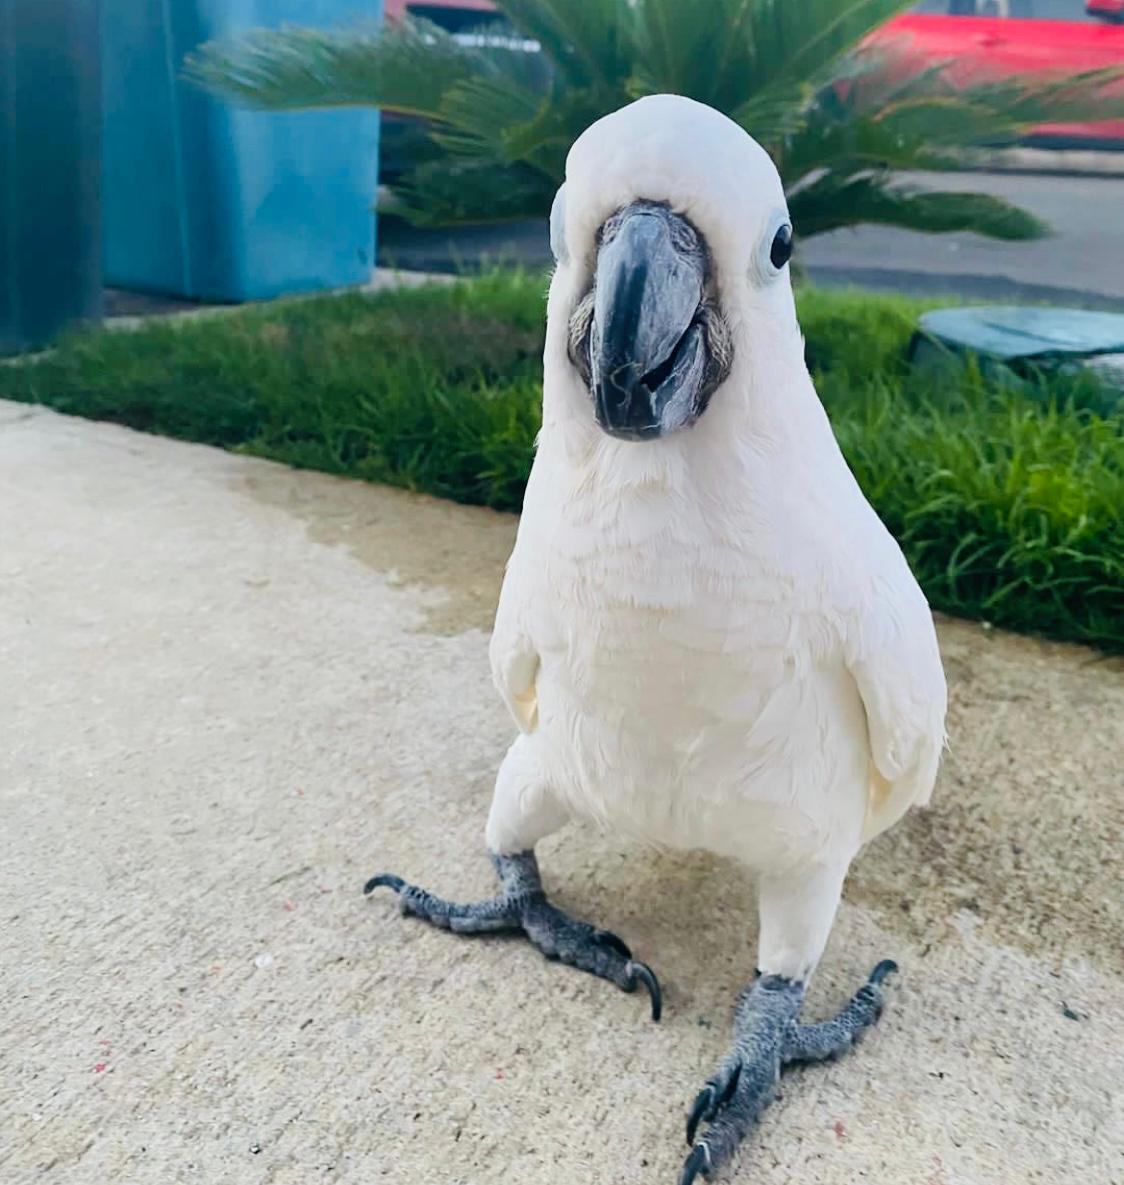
x=781, y=250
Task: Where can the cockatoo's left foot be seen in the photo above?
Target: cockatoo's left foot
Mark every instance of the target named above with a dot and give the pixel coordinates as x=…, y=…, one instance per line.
x=522, y=905
x=767, y=1037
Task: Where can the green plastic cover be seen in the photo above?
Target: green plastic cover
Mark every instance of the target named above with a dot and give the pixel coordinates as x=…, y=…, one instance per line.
x=1009, y=332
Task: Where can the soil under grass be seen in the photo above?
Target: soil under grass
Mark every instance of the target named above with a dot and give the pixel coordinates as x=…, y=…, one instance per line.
x=1009, y=505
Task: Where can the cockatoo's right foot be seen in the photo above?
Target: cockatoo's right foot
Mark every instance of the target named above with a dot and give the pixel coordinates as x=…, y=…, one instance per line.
x=768, y=1037
x=522, y=905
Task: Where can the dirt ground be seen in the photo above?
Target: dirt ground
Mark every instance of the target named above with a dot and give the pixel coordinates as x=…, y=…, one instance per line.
x=231, y=691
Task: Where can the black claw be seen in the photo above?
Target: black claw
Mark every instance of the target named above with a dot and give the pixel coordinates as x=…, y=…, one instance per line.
x=698, y=1162
x=704, y=1100
x=710, y=1099
x=645, y=974
x=606, y=938
x=885, y=968
x=555, y=934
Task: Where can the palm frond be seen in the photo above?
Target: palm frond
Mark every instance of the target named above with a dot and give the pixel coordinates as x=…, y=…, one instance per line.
x=452, y=192
x=868, y=119
x=755, y=59
x=855, y=145
x=588, y=41
x=476, y=113
x=872, y=118
x=872, y=81
x=407, y=67
x=833, y=201
x=776, y=114
x=677, y=50
x=1023, y=101
x=806, y=41
x=545, y=141
x=837, y=119
x=799, y=47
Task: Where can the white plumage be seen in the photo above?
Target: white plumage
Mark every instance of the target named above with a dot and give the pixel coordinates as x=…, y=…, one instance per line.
x=709, y=639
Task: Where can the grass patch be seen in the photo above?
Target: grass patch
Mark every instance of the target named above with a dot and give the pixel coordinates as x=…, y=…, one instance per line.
x=1009, y=505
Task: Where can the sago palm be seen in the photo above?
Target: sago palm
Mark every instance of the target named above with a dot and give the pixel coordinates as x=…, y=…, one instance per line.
x=840, y=121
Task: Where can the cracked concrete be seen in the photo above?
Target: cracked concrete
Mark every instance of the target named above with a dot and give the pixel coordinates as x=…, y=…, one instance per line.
x=231, y=691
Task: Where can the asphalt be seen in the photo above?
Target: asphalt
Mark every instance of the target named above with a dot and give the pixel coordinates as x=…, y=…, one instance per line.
x=1081, y=263
x=231, y=691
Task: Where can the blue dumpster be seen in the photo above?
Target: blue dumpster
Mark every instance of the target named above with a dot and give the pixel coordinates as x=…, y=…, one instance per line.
x=212, y=202
x=50, y=218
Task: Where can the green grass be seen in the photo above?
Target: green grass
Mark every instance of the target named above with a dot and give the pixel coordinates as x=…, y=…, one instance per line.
x=1009, y=504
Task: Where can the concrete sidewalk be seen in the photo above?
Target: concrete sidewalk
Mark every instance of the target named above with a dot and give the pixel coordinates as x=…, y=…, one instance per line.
x=231, y=691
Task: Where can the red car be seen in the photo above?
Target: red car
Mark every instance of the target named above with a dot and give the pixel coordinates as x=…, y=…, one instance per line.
x=981, y=39
x=988, y=40
x=446, y=13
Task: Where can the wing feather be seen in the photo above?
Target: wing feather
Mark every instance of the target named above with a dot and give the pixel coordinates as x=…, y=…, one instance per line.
x=513, y=655
x=893, y=656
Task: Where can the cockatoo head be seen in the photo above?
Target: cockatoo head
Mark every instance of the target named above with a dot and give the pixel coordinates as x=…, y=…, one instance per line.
x=671, y=236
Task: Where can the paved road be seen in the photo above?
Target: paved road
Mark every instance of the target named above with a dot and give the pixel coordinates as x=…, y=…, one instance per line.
x=1082, y=262
x=231, y=691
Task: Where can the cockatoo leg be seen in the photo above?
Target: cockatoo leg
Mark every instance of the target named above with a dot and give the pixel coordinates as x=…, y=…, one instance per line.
x=767, y=1038
x=796, y=915
x=522, y=905
x=524, y=810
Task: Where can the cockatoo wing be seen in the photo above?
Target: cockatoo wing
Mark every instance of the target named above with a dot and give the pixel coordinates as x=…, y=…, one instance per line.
x=515, y=661
x=513, y=653
x=891, y=652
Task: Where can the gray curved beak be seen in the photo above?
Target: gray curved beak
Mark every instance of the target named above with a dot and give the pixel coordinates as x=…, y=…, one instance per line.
x=647, y=347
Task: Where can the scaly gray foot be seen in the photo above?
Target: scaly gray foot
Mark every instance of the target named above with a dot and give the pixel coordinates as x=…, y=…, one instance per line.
x=767, y=1037
x=522, y=905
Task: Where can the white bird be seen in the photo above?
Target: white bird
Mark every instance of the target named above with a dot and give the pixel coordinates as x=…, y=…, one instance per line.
x=706, y=636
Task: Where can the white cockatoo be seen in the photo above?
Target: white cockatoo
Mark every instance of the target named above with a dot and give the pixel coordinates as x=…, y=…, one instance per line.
x=706, y=636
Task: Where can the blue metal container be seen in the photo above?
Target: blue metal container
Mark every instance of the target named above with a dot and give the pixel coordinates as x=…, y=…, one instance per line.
x=50, y=218
x=212, y=202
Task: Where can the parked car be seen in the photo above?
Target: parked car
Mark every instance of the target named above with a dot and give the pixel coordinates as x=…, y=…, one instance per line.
x=453, y=15
x=981, y=40
x=988, y=40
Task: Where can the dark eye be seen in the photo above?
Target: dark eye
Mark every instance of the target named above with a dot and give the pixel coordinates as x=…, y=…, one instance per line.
x=781, y=250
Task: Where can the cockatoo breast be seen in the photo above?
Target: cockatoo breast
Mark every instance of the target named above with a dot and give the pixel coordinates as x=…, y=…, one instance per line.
x=688, y=695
